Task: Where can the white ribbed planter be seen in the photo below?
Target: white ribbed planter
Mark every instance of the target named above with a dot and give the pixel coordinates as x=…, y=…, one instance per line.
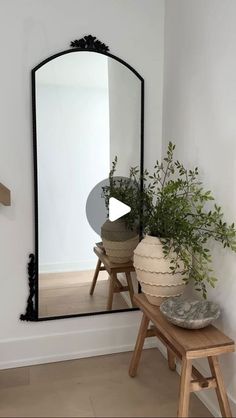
x=153, y=271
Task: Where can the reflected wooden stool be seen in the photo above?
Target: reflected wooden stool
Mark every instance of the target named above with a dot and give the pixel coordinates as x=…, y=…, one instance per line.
x=115, y=286
x=186, y=345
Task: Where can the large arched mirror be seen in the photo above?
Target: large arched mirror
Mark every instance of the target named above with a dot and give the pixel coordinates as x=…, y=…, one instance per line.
x=87, y=110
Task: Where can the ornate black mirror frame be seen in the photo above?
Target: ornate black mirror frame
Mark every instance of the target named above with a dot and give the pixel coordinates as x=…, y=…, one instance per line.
x=87, y=43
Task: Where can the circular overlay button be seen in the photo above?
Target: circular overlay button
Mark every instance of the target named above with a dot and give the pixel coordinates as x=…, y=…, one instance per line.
x=96, y=210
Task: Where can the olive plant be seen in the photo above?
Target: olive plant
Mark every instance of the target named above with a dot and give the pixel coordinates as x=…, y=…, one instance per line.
x=174, y=206
x=186, y=218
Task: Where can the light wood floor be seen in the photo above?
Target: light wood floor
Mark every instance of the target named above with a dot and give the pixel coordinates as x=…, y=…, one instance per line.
x=68, y=294
x=94, y=387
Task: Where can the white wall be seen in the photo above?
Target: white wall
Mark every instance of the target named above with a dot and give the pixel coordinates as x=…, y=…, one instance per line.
x=199, y=116
x=29, y=32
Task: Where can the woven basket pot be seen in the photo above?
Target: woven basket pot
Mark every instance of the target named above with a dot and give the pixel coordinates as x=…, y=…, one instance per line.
x=118, y=241
x=153, y=271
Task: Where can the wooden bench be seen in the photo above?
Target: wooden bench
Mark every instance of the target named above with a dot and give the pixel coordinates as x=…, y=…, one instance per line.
x=115, y=286
x=187, y=345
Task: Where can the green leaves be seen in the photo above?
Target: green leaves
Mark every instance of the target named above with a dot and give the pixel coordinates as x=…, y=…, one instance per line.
x=176, y=212
x=174, y=206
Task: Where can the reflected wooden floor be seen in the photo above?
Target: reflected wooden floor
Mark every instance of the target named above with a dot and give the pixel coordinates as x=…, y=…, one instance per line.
x=68, y=294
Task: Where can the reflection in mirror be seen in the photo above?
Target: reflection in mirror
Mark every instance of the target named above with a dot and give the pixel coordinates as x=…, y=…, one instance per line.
x=88, y=110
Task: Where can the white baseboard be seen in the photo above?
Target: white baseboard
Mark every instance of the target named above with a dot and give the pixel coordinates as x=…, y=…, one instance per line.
x=68, y=346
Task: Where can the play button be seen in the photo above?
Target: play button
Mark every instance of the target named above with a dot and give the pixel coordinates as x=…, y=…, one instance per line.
x=98, y=211
x=117, y=209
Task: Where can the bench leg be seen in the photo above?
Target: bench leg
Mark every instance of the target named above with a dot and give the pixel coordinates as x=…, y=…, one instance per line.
x=171, y=359
x=220, y=389
x=96, y=273
x=130, y=286
x=139, y=346
x=111, y=292
x=186, y=374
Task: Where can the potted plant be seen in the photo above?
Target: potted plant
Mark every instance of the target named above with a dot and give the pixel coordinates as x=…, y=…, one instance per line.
x=180, y=219
x=120, y=237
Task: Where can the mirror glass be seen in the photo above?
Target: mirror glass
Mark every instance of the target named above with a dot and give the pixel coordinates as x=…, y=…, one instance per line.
x=88, y=110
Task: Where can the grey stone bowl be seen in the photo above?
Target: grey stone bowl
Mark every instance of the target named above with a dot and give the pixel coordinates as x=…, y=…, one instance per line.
x=189, y=313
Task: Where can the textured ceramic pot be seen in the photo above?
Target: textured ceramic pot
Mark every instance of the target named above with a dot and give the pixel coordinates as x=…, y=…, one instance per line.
x=154, y=273
x=118, y=241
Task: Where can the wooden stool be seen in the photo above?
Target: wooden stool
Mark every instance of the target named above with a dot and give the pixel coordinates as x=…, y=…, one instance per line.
x=187, y=345
x=115, y=286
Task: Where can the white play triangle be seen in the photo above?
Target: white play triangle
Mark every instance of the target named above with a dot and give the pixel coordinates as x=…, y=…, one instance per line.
x=117, y=209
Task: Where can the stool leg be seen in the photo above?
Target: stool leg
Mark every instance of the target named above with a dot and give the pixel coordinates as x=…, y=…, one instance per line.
x=220, y=389
x=171, y=359
x=186, y=374
x=138, y=346
x=130, y=286
x=111, y=293
x=96, y=273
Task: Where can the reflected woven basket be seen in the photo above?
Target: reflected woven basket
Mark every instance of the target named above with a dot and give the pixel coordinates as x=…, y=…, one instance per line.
x=120, y=252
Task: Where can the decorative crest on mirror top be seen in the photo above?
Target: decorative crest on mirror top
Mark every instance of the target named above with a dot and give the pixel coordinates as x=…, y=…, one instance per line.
x=91, y=43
